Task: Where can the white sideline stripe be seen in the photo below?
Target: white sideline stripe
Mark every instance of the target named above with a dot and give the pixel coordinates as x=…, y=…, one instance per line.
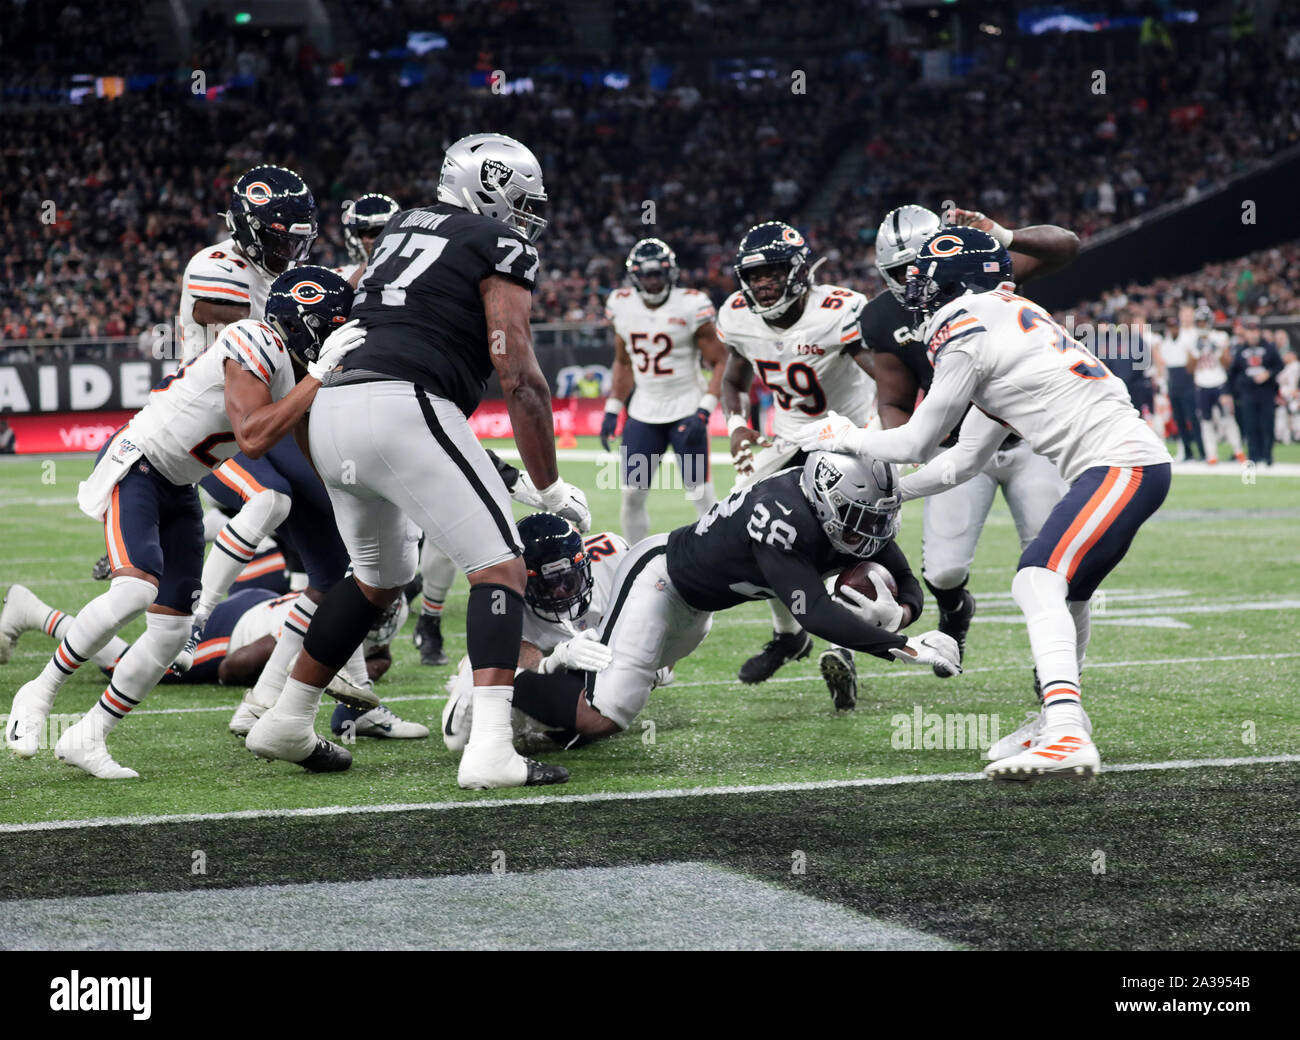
x=897, y=673
x=606, y=796
x=1225, y=607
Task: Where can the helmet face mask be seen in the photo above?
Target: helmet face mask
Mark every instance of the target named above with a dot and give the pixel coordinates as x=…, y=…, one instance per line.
x=855, y=500
x=560, y=583
x=652, y=269
x=495, y=175
x=773, y=256
x=362, y=221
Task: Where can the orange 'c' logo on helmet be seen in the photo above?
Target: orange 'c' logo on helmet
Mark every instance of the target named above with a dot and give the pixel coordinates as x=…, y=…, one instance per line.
x=792, y=236
x=258, y=192
x=934, y=246
x=307, y=292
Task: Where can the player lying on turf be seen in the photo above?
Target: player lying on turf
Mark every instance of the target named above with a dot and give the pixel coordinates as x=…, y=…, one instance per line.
x=1021, y=371
x=237, y=644
x=243, y=392
x=779, y=538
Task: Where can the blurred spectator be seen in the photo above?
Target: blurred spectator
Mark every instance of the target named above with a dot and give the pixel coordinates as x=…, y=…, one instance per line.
x=1254, y=371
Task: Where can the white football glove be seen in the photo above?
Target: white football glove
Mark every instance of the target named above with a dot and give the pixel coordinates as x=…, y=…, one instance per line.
x=884, y=610
x=525, y=493
x=338, y=344
x=934, y=650
x=583, y=653
x=835, y=432
x=567, y=500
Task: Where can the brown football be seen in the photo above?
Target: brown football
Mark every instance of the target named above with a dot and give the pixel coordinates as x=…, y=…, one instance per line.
x=859, y=577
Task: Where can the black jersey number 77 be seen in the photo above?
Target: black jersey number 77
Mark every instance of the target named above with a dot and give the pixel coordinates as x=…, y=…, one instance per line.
x=400, y=259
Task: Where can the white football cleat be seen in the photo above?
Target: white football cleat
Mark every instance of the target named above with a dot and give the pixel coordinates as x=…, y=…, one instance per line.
x=458, y=712
x=27, y=720
x=343, y=690
x=287, y=740
x=1063, y=753
x=381, y=722
x=484, y=766
x=83, y=745
x=22, y=612
x=247, y=714
x=1024, y=737
x=664, y=677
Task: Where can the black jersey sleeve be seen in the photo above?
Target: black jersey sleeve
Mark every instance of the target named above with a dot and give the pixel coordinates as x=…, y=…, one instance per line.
x=504, y=251
x=796, y=583
x=890, y=328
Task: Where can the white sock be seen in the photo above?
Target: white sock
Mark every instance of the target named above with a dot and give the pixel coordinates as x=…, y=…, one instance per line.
x=236, y=544
x=634, y=514
x=287, y=646
x=1082, y=611
x=703, y=497
x=354, y=670
x=491, y=717
x=1210, y=438
x=57, y=624
x=1232, y=433
x=99, y=620
x=142, y=667
x=1040, y=593
x=438, y=571
x=298, y=702
x=783, y=622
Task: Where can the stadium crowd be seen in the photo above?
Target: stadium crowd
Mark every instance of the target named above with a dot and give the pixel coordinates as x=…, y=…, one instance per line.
x=137, y=182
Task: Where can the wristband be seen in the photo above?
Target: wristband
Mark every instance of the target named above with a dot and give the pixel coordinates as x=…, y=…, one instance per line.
x=707, y=403
x=613, y=405
x=736, y=422
x=1003, y=235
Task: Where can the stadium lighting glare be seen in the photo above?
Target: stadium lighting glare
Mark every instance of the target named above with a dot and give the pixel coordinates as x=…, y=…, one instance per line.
x=243, y=17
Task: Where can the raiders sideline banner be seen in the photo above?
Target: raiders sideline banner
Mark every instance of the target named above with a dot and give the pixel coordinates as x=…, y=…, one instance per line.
x=31, y=388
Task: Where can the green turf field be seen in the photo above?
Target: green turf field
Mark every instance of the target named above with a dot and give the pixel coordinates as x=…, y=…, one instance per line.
x=1193, y=658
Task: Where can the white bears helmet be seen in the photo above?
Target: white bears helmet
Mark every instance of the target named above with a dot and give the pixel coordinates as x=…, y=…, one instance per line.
x=898, y=239
x=497, y=176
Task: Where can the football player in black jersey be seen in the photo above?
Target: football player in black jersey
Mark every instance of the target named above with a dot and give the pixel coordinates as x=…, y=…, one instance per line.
x=778, y=538
x=444, y=301
x=1029, y=482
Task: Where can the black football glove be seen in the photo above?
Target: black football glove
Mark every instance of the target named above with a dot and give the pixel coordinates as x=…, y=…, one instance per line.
x=697, y=425
x=607, y=427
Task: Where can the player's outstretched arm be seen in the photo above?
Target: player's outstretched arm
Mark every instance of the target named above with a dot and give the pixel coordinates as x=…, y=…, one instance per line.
x=977, y=443
x=621, y=382
x=1040, y=249
x=257, y=421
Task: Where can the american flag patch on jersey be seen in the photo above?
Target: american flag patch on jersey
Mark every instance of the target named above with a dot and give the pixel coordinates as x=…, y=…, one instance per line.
x=990, y=266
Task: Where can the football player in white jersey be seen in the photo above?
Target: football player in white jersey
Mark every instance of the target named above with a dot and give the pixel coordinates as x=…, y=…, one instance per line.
x=570, y=589
x=272, y=221
x=804, y=342
x=670, y=331
x=952, y=522
x=1209, y=353
x=238, y=394
x=1006, y=356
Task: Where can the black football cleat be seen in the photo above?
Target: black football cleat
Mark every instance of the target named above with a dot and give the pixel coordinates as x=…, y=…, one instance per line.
x=837, y=668
x=1038, y=688
x=102, y=569
x=540, y=774
x=781, y=648
x=327, y=758
x=956, y=623
x=427, y=638
x=413, y=589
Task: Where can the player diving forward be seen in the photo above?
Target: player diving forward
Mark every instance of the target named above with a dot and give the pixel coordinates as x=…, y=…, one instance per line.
x=953, y=520
x=803, y=341
x=241, y=393
x=778, y=538
x=670, y=331
x=1016, y=365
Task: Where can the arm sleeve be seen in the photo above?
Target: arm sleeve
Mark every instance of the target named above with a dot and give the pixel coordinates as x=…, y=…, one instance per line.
x=955, y=379
x=977, y=443
x=797, y=584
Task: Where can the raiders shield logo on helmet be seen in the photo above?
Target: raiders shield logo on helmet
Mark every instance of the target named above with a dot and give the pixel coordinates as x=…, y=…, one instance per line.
x=826, y=476
x=494, y=173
